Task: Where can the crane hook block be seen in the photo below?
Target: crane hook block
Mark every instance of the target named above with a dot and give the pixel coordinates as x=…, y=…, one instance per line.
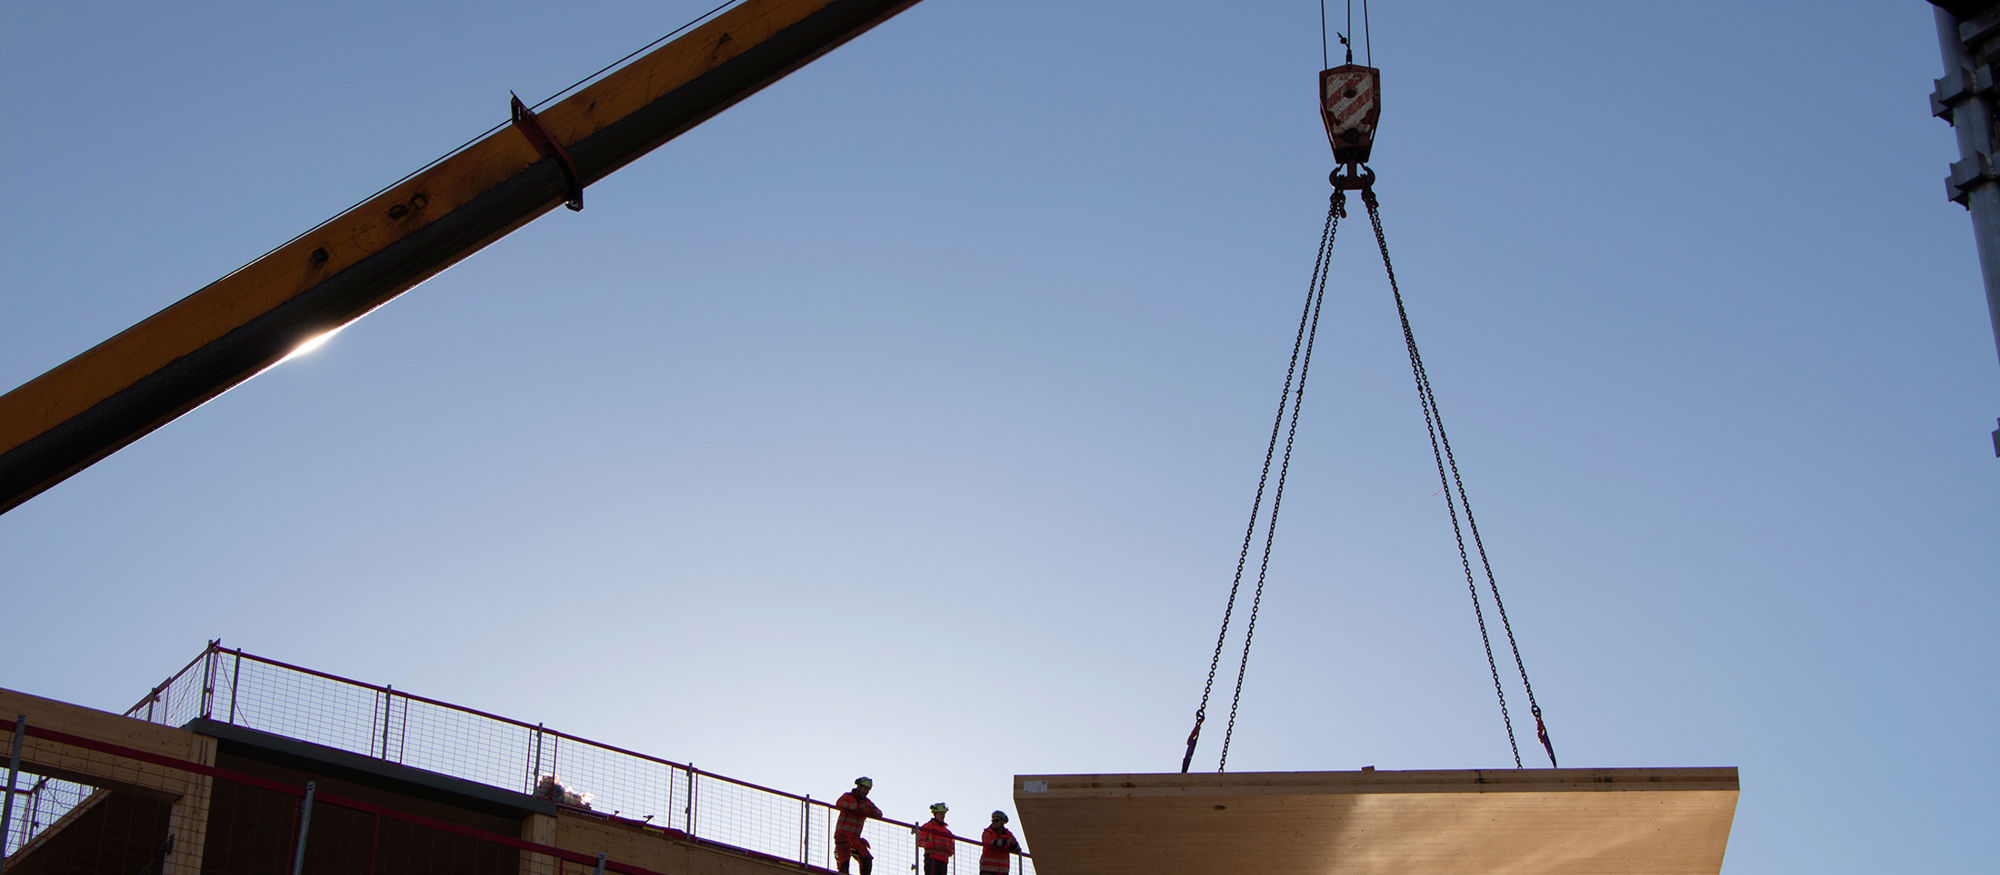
x=1350, y=100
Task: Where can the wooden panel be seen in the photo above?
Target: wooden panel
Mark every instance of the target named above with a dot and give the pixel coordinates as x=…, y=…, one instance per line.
x=1348, y=823
x=57, y=760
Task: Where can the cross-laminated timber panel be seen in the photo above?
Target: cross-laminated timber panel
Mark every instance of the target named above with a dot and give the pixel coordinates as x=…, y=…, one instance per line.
x=95, y=768
x=1374, y=823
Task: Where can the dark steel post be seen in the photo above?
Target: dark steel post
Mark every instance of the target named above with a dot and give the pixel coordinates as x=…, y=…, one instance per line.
x=535, y=770
x=1964, y=97
x=13, y=774
x=690, y=800
x=235, y=674
x=208, y=680
x=403, y=731
x=805, y=828
x=305, y=824
x=34, y=818
x=387, y=703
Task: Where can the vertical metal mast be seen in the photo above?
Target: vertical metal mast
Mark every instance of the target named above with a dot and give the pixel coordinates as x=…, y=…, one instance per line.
x=1965, y=97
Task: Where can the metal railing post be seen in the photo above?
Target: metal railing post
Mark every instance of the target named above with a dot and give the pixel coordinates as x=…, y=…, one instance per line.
x=535, y=771
x=13, y=773
x=690, y=801
x=208, y=679
x=34, y=819
x=235, y=675
x=305, y=824
x=387, y=702
x=600, y=863
x=805, y=828
x=403, y=731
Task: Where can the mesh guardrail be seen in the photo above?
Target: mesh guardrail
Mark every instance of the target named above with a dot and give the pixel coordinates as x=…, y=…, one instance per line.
x=40, y=804
x=381, y=722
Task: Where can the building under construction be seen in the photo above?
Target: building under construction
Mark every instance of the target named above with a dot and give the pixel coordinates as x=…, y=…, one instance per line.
x=244, y=764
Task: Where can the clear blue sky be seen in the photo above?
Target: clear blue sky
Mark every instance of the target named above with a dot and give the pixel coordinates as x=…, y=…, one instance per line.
x=903, y=420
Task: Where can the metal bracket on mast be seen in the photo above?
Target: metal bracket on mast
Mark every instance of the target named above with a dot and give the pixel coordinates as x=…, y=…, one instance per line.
x=546, y=143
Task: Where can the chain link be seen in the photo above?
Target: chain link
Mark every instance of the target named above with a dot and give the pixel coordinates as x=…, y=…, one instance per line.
x=1449, y=477
x=1335, y=209
x=1441, y=451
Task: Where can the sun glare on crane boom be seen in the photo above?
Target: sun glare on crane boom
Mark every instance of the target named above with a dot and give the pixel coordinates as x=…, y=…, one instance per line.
x=310, y=344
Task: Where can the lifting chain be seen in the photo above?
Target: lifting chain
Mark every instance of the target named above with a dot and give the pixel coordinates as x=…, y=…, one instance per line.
x=1308, y=330
x=1452, y=485
x=1441, y=451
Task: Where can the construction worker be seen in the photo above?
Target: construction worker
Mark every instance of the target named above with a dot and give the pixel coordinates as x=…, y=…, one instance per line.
x=937, y=841
x=855, y=809
x=994, y=846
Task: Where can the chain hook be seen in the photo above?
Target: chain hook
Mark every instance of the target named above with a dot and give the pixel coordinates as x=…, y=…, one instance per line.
x=1542, y=733
x=1194, y=735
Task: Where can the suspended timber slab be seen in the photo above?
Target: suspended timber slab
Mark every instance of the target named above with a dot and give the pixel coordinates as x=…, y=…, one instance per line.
x=1351, y=823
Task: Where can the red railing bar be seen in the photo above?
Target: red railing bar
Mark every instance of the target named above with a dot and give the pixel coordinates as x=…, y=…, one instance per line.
x=383, y=689
x=742, y=783
x=793, y=796
x=155, y=758
x=798, y=798
x=630, y=753
x=450, y=706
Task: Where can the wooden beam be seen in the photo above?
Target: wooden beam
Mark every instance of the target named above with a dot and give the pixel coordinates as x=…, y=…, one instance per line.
x=96, y=768
x=1350, y=823
x=115, y=393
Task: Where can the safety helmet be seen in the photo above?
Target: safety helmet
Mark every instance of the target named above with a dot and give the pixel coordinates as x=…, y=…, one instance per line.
x=939, y=808
x=865, y=782
x=1000, y=817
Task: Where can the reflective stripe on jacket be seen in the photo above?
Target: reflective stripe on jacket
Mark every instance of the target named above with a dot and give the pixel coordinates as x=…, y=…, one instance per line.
x=854, y=810
x=936, y=840
x=994, y=846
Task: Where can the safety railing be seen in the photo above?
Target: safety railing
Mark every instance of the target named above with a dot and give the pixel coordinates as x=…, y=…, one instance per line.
x=225, y=822
x=40, y=803
x=378, y=721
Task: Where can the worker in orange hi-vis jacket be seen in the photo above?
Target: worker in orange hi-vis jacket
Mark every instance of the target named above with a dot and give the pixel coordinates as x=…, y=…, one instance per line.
x=994, y=846
x=855, y=809
x=937, y=841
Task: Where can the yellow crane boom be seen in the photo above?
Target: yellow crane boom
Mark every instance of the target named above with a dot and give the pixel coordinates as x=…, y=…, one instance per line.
x=121, y=389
